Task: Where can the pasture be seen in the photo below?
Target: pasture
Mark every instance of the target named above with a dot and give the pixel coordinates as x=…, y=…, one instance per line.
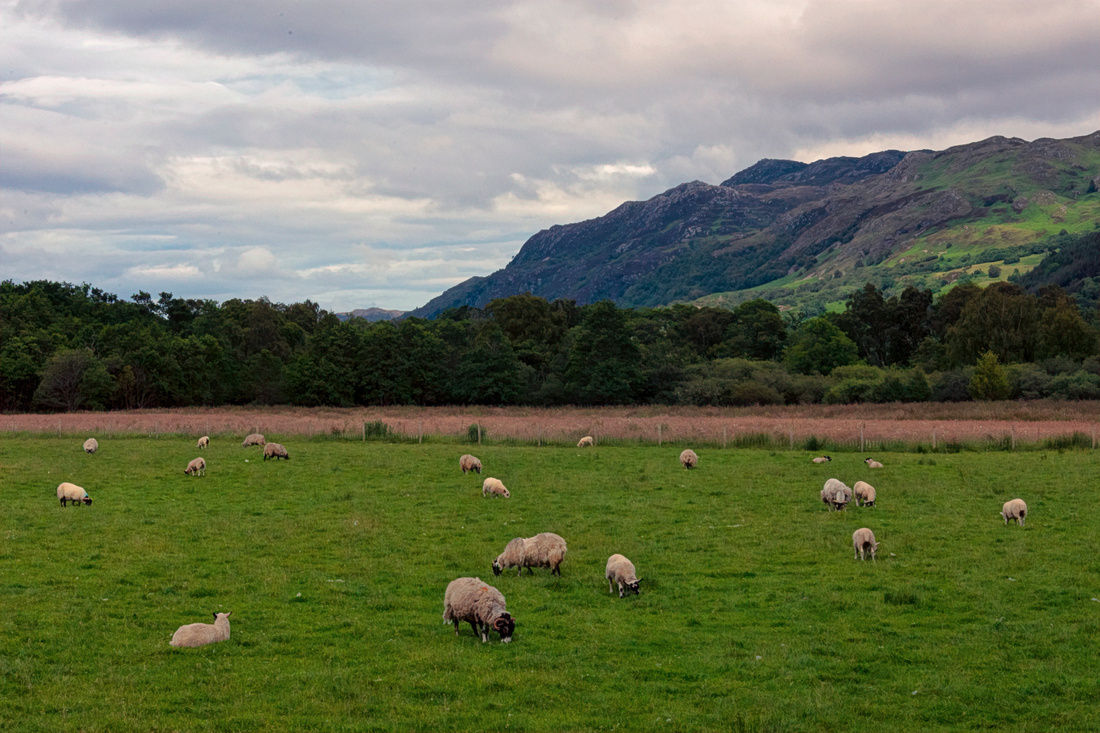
x=753, y=614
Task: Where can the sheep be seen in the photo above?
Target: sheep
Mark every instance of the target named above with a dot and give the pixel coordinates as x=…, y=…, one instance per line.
x=688, y=459
x=585, y=442
x=469, y=463
x=482, y=605
x=203, y=634
x=275, y=451
x=621, y=571
x=72, y=492
x=196, y=467
x=836, y=494
x=204, y=441
x=1014, y=509
x=495, y=487
x=823, y=459
x=872, y=463
x=253, y=439
x=864, y=493
x=91, y=445
x=863, y=539
x=544, y=550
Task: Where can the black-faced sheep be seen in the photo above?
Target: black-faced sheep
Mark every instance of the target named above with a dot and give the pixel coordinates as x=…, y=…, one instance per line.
x=836, y=494
x=544, y=550
x=480, y=604
x=864, y=493
x=872, y=463
x=863, y=539
x=688, y=459
x=91, y=445
x=275, y=451
x=495, y=487
x=469, y=463
x=253, y=439
x=197, y=467
x=1014, y=509
x=72, y=492
x=823, y=459
x=620, y=570
x=203, y=634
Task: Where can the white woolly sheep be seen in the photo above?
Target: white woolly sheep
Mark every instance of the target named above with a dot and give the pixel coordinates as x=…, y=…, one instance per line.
x=495, y=487
x=72, y=492
x=203, y=634
x=864, y=493
x=585, y=442
x=197, y=467
x=480, y=604
x=1014, y=509
x=621, y=571
x=469, y=463
x=863, y=539
x=544, y=550
x=204, y=441
x=688, y=459
x=872, y=463
x=253, y=439
x=275, y=451
x=836, y=494
x=91, y=445
x=823, y=459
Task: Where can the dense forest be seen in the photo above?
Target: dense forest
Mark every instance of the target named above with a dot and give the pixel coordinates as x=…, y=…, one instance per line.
x=68, y=347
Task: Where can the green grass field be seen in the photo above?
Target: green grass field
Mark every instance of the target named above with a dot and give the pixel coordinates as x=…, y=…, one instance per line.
x=753, y=613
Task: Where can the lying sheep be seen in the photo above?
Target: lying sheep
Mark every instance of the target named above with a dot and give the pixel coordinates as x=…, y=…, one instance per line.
x=544, y=550
x=253, y=439
x=822, y=459
x=72, y=492
x=469, y=463
x=621, y=571
x=203, y=634
x=864, y=493
x=275, y=451
x=688, y=459
x=1013, y=509
x=495, y=487
x=836, y=494
x=872, y=463
x=204, y=441
x=91, y=445
x=196, y=467
x=585, y=442
x=863, y=539
x=482, y=605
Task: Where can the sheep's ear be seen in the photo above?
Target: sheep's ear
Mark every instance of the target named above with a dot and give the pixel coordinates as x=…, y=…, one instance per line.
x=215, y=615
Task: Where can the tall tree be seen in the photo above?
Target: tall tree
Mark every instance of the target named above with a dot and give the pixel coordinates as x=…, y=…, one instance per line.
x=603, y=366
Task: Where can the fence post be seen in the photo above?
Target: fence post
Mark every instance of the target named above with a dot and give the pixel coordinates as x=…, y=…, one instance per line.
x=420, y=431
x=478, y=432
x=861, y=438
x=933, y=440
x=540, y=436
x=792, y=438
x=1013, y=437
x=364, y=432
x=658, y=431
x=723, y=436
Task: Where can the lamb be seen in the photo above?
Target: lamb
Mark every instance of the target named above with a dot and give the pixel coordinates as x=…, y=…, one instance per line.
x=469, y=463
x=203, y=634
x=585, y=442
x=872, y=463
x=544, y=550
x=836, y=494
x=863, y=539
x=864, y=493
x=495, y=487
x=72, y=492
x=196, y=467
x=688, y=459
x=204, y=441
x=275, y=451
x=823, y=459
x=621, y=571
x=1014, y=509
x=91, y=445
x=482, y=605
x=253, y=439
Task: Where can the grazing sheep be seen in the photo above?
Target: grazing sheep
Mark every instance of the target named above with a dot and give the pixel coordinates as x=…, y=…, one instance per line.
x=1013, y=509
x=91, y=445
x=197, y=467
x=823, y=459
x=544, y=550
x=864, y=493
x=863, y=539
x=253, y=439
x=469, y=463
x=688, y=459
x=482, y=605
x=72, y=492
x=495, y=487
x=275, y=451
x=872, y=463
x=204, y=441
x=585, y=441
x=203, y=634
x=621, y=571
x=836, y=494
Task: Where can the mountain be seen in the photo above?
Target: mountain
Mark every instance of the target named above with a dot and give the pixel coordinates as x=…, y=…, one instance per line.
x=796, y=232
x=371, y=314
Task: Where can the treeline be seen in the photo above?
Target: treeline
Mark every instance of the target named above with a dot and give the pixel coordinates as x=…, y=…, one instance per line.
x=68, y=347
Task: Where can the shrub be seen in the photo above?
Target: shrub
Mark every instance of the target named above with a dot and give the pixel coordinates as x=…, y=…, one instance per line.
x=1077, y=386
x=990, y=381
x=950, y=386
x=1028, y=382
x=752, y=393
x=472, y=434
x=850, y=391
x=376, y=429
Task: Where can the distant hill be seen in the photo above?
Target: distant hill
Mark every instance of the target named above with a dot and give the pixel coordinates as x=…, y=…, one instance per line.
x=371, y=314
x=800, y=234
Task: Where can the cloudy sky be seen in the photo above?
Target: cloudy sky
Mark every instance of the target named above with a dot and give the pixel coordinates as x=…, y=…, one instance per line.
x=376, y=152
